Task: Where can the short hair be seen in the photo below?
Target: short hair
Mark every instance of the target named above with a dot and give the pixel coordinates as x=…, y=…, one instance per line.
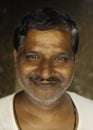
x=46, y=19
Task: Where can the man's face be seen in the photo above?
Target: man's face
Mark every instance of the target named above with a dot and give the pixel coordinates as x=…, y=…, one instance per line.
x=45, y=65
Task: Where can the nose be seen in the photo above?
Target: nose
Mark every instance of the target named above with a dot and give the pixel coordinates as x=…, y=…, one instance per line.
x=45, y=70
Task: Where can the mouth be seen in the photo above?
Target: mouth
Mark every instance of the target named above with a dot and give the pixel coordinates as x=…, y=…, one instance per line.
x=42, y=83
x=46, y=85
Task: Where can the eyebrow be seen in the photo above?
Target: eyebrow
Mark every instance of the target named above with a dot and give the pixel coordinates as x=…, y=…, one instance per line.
x=30, y=52
x=27, y=51
x=66, y=53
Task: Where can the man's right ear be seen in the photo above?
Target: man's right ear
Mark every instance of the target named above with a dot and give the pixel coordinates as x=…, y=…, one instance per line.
x=15, y=53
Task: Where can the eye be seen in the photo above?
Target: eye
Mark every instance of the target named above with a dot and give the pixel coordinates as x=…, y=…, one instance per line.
x=32, y=57
x=61, y=59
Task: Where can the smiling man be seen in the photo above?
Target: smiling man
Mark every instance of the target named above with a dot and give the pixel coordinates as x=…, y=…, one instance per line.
x=45, y=43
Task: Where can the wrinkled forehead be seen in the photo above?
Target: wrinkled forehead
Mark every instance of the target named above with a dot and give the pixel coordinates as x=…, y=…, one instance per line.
x=47, y=40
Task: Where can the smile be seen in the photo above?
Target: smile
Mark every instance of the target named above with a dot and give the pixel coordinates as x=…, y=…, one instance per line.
x=46, y=86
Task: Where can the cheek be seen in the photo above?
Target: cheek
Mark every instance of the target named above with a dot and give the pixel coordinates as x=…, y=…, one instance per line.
x=66, y=71
x=68, y=74
x=24, y=69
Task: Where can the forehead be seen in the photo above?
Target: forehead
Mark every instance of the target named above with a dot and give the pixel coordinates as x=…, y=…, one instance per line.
x=49, y=40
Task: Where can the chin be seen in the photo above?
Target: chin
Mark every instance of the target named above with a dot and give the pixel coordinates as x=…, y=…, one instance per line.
x=45, y=99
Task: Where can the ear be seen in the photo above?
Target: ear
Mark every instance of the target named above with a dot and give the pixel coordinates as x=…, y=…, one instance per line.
x=15, y=53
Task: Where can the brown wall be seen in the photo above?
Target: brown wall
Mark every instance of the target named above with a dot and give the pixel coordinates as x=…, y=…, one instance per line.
x=81, y=11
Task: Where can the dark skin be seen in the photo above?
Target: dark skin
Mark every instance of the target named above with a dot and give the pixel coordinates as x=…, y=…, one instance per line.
x=40, y=106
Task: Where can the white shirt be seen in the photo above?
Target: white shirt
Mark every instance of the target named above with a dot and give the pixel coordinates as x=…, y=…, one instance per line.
x=83, y=105
x=85, y=111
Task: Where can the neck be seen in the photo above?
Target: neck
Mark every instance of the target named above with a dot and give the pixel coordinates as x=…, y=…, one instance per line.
x=27, y=111
x=31, y=104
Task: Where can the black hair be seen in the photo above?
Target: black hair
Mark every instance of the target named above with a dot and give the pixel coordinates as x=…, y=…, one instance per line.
x=45, y=19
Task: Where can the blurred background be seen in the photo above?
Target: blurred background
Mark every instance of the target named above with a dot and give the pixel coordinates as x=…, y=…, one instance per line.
x=80, y=10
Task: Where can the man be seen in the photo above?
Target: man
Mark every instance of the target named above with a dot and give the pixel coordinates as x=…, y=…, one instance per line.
x=45, y=43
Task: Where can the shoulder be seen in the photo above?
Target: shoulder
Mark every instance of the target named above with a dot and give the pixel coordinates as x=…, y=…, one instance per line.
x=80, y=100
x=82, y=103
x=6, y=101
x=6, y=113
x=85, y=110
x=6, y=104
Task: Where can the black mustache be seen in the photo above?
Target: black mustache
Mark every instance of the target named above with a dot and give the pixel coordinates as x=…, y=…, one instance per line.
x=50, y=79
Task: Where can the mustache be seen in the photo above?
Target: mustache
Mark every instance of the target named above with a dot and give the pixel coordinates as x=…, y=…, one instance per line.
x=40, y=79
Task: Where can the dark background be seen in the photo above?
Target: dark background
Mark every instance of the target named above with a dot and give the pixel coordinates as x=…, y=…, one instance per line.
x=80, y=10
